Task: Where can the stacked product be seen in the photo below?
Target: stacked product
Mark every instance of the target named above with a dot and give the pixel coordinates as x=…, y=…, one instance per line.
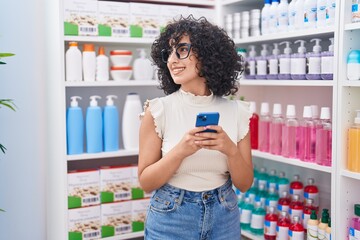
x=229, y=24
x=121, y=69
x=255, y=22
x=245, y=24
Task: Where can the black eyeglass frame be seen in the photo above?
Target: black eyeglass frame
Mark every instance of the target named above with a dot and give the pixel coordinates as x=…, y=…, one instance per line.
x=165, y=54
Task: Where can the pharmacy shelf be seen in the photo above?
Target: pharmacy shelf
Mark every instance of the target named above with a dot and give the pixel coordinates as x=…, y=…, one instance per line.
x=349, y=174
x=290, y=161
x=112, y=83
x=351, y=83
x=251, y=236
x=87, y=156
x=352, y=26
x=287, y=83
x=126, y=236
x=208, y=3
x=110, y=40
x=286, y=36
x=229, y=2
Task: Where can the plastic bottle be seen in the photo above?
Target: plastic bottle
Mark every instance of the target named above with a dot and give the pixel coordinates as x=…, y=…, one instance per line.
x=306, y=136
x=271, y=219
x=73, y=60
x=273, y=21
x=321, y=13
x=353, y=65
x=265, y=17
x=264, y=128
x=273, y=179
x=311, y=191
x=261, y=63
x=316, y=119
x=296, y=229
x=252, y=192
x=94, y=126
x=296, y=207
x=89, y=62
x=324, y=139
x=283, y=226
x=263, y=177
x=291, y=14
x=298, y=61
x=273, y=61
x=327, y=62
x=296, y=186
x=314, y=61
x=283, y=16
x=256, y=175
x=328, y=230
x=251, y=62
x=245, y=215
x=257, y=219
x=299, y=14
x=285, y=62
x=102, y=66
x=330, y=10
x=275, y=130
x=353, y=150
x=290, y=143
x=261, y=195
x=354, y=230
x=111, y=125
x=272, y=198
x=284, y=202
x=131, y=121
x=323, y=224
x=143, y=69
x=254, y=126
x=308, y=208
x=312, y=226
x=283, y=183
x=310, y=8
x=75, y=127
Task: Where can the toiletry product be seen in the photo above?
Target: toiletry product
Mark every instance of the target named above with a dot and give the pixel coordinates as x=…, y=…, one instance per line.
x=265, y=17
x=75, y=127
x=355, y=11
x=323, y=224
x=255, y=18
x=298, y=61
x=251, y=63
x=89, y=62
x=94, y=127
x=328, y=230
x=283, y=183
x=245, y=214
x=273, y=61
x=312, y=226
x=353, y=65
x=284, y=202
x=271, y=219
x=310, y=8
x=257, y=219
x=283, y=16
x=254, y=126
x=263, y=177
x=306, y=136
x=252, y=192
x=272, y=198
x=143, y=69
x=283, y=226
x=285, y=62
x=296, y=207
x=353, y=141
x=102, y=66
x=324, y=138
x=273, y=179
x=289, y=133
x=236, y=25
x=273, y=21
x=111, y=125
x=296, y=186
x=261, y=63
x=314, y=61
x=354, y=230
x=73, y=62
x=296, y=229
x=276, y=129
x=330, y=12
x=261, y=194
x=299, y=14
x=321, y=13
x=264, y=127
x=308, y=208
x=291, y=14
x=311, y=191
x=327, y=62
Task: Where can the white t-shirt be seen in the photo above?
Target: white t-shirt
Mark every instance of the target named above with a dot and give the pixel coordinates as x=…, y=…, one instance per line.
x=175, y=114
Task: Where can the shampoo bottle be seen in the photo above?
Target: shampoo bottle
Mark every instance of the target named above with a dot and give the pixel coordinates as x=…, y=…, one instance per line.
x=261, y=63
x=289, y=133
x=143, y=69
x=75, y=127
x=111, y=125
x=353, y=156
x=312, y=226
x=273, y=61
x=327, y=62
x=94, y=127
x=251, y=63
x=102, y=66
x=314, y=61
x=89, y=62
x=264, y=127
x=285, y=62
x=254, y=126
x=276, y=130
x=298, y=62
x=73, y=61
x=324, y=138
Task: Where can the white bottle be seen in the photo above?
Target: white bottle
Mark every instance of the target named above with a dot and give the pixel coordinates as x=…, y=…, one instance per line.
x=273, y=21
x=321, y=13
x=73, y=63
x=265, y=17
x=299, y=14
x=89, y=62
x=273, y=61
x=298, y=62
x=330, y=9
x=310, y=8
x=314, y=61
x=285, y=62
x=131, y=121
x=251, y=62
x=327, y=62
x=143, y=69
x=283, y=16
x=291, y=15
x=261, y=63
x=102, y=66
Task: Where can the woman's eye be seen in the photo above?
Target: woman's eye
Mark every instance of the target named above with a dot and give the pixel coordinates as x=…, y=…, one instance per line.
x=183, y=49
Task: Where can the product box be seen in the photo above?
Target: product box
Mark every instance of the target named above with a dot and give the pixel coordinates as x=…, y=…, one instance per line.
x=114, y=19
x=171, y=13
x=84, y=223
x=80, y=17
x=116, y=218
x=115, y=184
x=136, y=191
x=144, y=20
x=83, y=188
x=208, y=13
x=139, y=209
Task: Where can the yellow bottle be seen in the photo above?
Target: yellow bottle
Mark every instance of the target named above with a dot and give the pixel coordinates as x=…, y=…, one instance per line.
x=323, y=224
x=353, y=161
x=312, y=226
x=328, y=231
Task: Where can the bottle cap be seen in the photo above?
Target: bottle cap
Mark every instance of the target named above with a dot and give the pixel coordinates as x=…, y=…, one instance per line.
x=101, y=51
x=272, y=172
x=276, y=50
x=281, y=174
x=329, y=222
x=284, y=194
x=264, y=110
x=313, y=215
x=110, y=101
x=354, y=56
x=74, y=102
x=252, y=52
x=277, y=109
x=309, y=201
x=271, y=209
x=295, y=197
x=88, y=47
x=296, y=177
x=325, y=113
x=307, y=112
x=296, y=219
x=73, y=44
x=252, y=107
x=314, y=111
x=93, y=102
x=142, y=52
x=283, y=214
x=310, y=181
x=331, y=46
x=290, y=111
x=357, y=209
x=264, y=51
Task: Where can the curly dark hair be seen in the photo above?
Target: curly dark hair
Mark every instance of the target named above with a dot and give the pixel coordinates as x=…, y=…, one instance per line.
x=219, y=62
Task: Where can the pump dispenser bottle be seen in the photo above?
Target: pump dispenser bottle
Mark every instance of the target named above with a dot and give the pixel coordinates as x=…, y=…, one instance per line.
x=276, y=130
x=327, y=62
x=264, y=127
x=143, y=70
x=94, y=127
x=73, y=61
x=251, y=61
x=353, y=157
x=298, y=62
x=274, y=63
x=285, y=62
x=261, y=63
x=75, y=127
x=111, y=125
x=314, y=61
x=102, y=66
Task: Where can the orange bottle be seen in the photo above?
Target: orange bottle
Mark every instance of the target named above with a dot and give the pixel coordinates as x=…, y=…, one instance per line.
x=353, y=161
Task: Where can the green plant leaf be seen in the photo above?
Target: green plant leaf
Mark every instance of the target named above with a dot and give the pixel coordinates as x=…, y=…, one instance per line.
x=6, y=55
x=2, y=148
x=8, y=103
x=2, y=210
x=2, y=62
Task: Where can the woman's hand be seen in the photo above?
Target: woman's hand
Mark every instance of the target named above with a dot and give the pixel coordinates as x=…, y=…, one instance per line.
x=188, y=144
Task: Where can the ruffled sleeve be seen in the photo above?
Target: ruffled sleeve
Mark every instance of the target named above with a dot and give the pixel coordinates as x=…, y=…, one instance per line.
x=243, y=118
x=156, y=108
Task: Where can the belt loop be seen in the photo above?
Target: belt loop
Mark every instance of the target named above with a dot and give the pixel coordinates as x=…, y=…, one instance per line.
x=181, y=196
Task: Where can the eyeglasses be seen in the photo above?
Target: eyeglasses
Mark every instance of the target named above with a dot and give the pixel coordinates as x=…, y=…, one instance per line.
x=182, y=51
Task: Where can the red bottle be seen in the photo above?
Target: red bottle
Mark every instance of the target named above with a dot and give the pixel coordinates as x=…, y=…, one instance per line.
x=271, y=219
x=311, y=191
x=284, y=202
x=297, y=187
x=283, y=226
x=254, y=127
x=296, y=207
x=308, y=207
x=296, y=229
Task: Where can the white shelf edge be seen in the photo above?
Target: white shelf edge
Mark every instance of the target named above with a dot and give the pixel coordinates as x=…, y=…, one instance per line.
x=189, y=2
x=112, y=40
x=255, y=82
x=87, y=156
x=291, y=161
x=349, y=174
x=251, y=236
x=352, y=26
x=228, y=2
x=126, y=236
x=286, y=35
x=349, y=83
x=112, y=83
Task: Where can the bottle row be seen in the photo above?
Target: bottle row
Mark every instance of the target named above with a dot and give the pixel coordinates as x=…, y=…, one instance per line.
x=308, y=139
x=101, y=127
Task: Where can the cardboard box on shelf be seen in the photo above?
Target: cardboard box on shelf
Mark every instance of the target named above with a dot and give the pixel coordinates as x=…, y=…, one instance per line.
x=169, y=13
x=116, y=218
x=139, y=209
x=84, y=223
x=144, y=20
x=115, y=183
x=114, y=19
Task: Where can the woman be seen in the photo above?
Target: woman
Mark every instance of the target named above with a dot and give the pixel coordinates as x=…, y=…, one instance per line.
x=192, y=171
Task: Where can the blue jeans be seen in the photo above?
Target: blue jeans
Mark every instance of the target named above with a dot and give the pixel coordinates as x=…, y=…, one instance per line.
x=177, y=214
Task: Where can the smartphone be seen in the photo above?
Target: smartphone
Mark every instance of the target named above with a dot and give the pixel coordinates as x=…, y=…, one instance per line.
x=206, y=119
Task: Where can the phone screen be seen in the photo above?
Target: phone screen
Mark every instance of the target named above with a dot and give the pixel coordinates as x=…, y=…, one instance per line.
x=207, y=118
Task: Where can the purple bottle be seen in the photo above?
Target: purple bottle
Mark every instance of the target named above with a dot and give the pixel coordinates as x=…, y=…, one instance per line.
x=327, y=62
x=324, y=138
x=276, y=126
x=273, y=61
x=250, y=73
x=314, y=61
x=285, y=62
x=298, y=62
x=261, y=63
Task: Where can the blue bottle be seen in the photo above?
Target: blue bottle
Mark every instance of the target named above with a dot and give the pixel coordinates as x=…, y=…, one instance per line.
x=75, y=128
x=111, y=125
x=94, y=127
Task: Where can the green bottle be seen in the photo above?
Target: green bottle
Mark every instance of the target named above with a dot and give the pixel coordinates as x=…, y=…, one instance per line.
x=257, y=219
x=272, y=198
x=261, y=195
x=283, y=183
x=252, y=192
x=246, y=213
x=263, y=177
x=273, y=179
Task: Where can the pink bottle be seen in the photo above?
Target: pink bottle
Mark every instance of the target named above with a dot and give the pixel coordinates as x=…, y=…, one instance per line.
x=296, y=229
x=264, y=127
x=324, y=138
x=271, y=219
x=311, y=191
x=354, y=230
x=307, y=137
x=296, y=207
x=289, y=133
x=254, y=127
x=296, y=186
x=276, y=130
x=283, y=226
x=316, y=120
